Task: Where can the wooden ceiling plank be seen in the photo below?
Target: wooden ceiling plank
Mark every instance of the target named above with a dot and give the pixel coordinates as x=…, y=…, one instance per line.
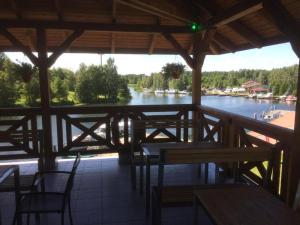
x=236, y=12
x=153, y=10
x=64, y=46
x=17, y=9
x=19, y=45
x=285, y=22
x=213, y=48
x=189, y=60
x=224, y=42
x=58, y=7
x=127, y=28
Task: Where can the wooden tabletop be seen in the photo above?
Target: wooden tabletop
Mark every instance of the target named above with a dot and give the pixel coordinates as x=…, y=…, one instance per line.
x=6, y=171
x=245, y=206
x=153, y=149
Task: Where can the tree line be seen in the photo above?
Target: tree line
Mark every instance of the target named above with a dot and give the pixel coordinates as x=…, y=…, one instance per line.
x=88, y=85
x=279, y=81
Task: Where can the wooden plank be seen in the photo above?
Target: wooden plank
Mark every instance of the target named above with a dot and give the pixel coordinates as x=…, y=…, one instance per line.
x=152, y=43
x=224, y=43
x=16, y=7
x=59, y=11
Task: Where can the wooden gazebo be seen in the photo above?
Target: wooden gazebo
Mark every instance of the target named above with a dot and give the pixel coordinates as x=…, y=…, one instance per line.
x=192, y=29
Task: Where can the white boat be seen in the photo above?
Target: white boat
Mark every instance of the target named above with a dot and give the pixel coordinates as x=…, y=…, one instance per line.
x=183, y=92
x=158, y=91
x=171, y=91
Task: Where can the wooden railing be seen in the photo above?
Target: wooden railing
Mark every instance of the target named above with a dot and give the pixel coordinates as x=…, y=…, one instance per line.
x=238, y=131
x=109, y=128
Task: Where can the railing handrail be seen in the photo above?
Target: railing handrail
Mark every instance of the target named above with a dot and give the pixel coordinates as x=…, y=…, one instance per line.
x=269, y=129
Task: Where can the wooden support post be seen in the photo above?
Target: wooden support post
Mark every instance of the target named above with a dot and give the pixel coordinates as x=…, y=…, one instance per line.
x=200, y=49
x=45, y=94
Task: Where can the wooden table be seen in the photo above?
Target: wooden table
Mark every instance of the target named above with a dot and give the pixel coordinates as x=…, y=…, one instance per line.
x=6, y=172
x=152, y=151
x=244, y=206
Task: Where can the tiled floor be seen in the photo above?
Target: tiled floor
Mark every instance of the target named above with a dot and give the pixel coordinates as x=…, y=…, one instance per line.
x=102, y=194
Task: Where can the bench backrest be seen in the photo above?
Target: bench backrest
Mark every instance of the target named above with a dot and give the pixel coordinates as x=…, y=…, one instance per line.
x=156, y=126
x=216, y=155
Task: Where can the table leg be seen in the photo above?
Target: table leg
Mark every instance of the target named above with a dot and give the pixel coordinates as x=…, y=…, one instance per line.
x=148, y=169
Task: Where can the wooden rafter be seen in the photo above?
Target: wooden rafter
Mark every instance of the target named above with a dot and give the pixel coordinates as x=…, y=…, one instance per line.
x=153, y=10
x=213, y=48
x=58, y=7
x=285, y=22
x=19, y=45
x=236, y=12
x=65, y=45
x=237, y=26
x=189, y=60
x=16, y=7
x=136, y=28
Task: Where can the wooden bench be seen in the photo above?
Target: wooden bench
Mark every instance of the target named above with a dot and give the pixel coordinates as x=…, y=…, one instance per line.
x=173, y=196
x=155, y=126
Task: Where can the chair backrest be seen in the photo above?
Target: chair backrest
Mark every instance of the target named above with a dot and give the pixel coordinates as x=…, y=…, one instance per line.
x=216, y=155
x=296, y=206
x=72, y=175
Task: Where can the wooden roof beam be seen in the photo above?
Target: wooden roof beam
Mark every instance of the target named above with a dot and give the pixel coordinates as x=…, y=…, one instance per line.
x=214, y=48
x=224, y=42
x=58, y=7
x=19, y=45
x=189, y=60
x=16, y=7
x=94, y=26
x=153, y=10
x=285, y=22
x=236, y=12
x=64, y=46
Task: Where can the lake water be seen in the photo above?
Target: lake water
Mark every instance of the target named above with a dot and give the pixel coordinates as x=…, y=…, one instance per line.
x=239, y=105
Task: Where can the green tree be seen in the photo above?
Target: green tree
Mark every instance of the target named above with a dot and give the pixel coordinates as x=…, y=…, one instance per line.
x=8, y=91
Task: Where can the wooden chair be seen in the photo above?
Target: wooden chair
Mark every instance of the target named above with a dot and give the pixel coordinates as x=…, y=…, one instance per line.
x=44, y=201
x=173, y=196
x=296, y=205
x=138, y=136
x=21, y=142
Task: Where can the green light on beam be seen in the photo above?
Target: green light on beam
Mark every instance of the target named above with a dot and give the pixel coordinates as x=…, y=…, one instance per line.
x=195, y=27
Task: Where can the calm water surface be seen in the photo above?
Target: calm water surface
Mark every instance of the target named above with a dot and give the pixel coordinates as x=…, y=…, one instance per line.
x=239, y=105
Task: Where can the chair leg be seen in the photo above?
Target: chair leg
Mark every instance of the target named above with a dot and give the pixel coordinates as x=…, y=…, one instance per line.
x=70, y=212
x=141, y=179
x=62, y=218
x=28, y=218
x=133, y=176
x=38, y=218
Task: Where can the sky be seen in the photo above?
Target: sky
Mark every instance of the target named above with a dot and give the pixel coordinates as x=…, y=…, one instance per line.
x=275, y=56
